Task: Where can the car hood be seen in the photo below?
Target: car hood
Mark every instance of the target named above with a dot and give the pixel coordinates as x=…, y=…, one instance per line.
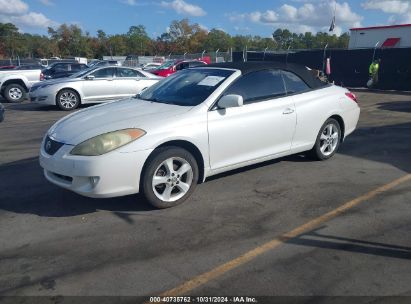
x=128, y=113
x=55, y=82
x=58, y=81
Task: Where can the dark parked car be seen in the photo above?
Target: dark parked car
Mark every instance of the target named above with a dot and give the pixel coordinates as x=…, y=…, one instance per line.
x=62, y=69
x=29, y=67
x=1, y=112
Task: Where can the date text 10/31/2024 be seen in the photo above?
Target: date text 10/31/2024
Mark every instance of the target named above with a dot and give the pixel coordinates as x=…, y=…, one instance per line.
x=203, y=300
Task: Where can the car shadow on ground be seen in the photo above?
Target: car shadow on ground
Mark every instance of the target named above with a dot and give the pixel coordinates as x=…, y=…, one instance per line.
x=42, y=198
x=29, y=192
x=390, y=144
x=396, y=106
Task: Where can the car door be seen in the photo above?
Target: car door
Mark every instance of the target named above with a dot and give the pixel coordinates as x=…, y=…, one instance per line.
x=129, y=82
x=262, y=127
x=58, y=70
x=100, y=87
x=307, y=105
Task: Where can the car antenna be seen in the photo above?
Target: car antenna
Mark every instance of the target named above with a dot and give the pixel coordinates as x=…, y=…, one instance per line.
x=286, y=56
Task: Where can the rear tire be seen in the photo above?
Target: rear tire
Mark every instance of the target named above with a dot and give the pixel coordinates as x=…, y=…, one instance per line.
x=15, y=93
x=67, y=100
x=170, y=177
x=328, y=140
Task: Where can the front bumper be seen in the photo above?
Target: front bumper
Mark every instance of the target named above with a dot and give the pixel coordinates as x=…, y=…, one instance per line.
x=42, y=98
x=109, y=175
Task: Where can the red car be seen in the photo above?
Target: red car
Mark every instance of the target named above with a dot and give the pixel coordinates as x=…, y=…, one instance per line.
x=172, y=66
x=7, y=67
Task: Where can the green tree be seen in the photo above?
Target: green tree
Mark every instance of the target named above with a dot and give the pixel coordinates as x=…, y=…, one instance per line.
x=117, y=45
x=9, y=34
x=137, y=40
x=218, y=39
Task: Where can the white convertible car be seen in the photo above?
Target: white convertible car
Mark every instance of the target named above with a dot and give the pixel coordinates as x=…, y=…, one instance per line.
x=95, y=85
x=195, y=124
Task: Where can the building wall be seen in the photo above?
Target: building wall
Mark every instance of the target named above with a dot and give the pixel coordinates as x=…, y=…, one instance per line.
x=367, y=38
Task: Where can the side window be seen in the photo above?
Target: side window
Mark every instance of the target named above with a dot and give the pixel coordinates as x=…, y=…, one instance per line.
x=61, y=67
x=128, y=73
x=104, y=73
x=182, y=66
x=293, y=83
x=258, y=86
x=75, y=67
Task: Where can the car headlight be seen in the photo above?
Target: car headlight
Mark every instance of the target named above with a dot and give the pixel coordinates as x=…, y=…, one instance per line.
x=107, y=142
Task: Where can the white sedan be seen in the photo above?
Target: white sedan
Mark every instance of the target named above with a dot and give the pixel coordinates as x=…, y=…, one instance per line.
x=95, y=85
x=195, y=124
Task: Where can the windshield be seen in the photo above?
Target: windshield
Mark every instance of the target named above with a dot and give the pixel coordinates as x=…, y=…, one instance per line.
x=82, y=73
x=166, y=65
x=187, y=87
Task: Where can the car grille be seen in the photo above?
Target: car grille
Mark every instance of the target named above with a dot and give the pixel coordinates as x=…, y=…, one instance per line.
x=68, y=179
x=51, y=146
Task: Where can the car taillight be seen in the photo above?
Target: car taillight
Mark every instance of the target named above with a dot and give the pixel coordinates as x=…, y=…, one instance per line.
x=351, y=96
x=41, y=76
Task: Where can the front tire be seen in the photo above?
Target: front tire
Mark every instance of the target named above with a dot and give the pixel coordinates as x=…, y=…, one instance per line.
x=15, y=93
x=67, y=100
x=328, y=140
x=170, y=177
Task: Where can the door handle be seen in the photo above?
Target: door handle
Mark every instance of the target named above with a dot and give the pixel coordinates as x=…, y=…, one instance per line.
x=288, y=111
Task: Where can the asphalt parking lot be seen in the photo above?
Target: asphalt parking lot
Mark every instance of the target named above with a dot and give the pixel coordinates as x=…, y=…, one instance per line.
x=54, y=242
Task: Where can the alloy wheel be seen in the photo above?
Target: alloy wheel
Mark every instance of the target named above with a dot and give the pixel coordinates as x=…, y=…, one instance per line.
x=329, y=139
x=68, y=100
x=172, y=179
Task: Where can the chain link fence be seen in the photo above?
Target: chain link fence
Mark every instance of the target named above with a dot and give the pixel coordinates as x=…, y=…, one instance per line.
x=138, y=61
x=209, y=57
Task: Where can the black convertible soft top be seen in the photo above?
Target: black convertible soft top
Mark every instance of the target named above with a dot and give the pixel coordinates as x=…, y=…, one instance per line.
x=252, y=66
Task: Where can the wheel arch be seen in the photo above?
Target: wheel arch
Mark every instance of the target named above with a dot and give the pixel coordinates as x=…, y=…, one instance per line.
x=68, y=88
x=340, y=121
x=187, y=145
x=11, y=81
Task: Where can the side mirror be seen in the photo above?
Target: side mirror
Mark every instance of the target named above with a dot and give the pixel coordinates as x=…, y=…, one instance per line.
x=230, y=101
x=139, y=94
x=89, y=77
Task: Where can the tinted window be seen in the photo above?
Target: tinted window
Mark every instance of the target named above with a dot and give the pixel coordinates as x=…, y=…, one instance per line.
x=293, y=83
x=182, y=66
x=186, y=88
x=104, y=73
x=258, y=86
x=64, y=67
x=76, y=67
x=128, y=73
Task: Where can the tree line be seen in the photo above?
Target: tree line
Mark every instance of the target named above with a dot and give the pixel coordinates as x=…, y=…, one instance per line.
x=182, y=37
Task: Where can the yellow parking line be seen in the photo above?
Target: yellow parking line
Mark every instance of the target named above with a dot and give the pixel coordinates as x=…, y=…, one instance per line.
x=252, y=254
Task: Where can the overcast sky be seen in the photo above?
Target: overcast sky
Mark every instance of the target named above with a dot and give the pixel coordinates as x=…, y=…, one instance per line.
x=255, y=17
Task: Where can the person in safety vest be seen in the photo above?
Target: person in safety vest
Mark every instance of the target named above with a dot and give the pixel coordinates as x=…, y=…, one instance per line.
x=374, y=68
